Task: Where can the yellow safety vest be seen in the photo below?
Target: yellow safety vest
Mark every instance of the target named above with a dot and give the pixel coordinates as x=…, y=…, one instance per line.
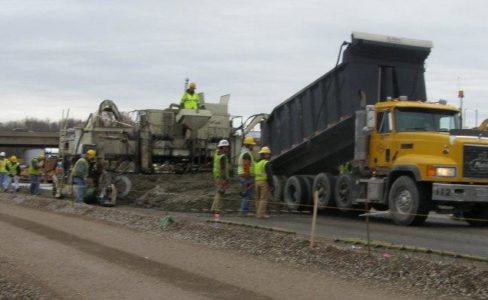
x=190, y=101
x=216, y=166
x=261, y=170
x=12, y=167
x=34, y=170
x=3, y=165
x=240, y=165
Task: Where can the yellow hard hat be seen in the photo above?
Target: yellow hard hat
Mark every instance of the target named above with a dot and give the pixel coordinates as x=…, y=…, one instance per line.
x=249, y=140
x=91, y=153
x=265, y=150
x=41, y=157
x=193, y=85
x=13, y=158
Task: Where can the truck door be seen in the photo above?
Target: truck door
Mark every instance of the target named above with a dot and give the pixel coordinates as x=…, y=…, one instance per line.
x=381, y=146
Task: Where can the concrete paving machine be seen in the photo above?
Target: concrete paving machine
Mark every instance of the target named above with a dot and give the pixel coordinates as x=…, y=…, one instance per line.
x=171, y=140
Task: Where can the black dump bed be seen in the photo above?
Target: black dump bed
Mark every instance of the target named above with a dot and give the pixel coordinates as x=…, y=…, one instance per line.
x=313, y=130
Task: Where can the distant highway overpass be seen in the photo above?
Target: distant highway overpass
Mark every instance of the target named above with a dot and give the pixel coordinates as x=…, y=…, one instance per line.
x=18, y=142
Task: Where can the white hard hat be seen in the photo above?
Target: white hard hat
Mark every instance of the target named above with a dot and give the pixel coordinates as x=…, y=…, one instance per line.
x=2, y=153
x=223, y=143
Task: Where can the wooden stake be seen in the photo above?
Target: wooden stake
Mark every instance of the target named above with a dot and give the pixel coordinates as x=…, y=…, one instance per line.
x=314, y=218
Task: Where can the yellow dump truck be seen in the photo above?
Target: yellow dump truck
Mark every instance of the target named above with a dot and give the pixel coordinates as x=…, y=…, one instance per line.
x=365, y=133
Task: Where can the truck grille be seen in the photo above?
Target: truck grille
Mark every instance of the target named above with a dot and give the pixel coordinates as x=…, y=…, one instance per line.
x=475, y=161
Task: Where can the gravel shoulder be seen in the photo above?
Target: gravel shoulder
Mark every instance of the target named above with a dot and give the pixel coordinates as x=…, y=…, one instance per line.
x=422, y=276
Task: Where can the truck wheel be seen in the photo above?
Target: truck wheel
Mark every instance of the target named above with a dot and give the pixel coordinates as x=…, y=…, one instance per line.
x=343, y=193
x=294, y=193
x=408, y=202
x=324, y=183
x=477, y=216
x=279, y=185
x=307, y=181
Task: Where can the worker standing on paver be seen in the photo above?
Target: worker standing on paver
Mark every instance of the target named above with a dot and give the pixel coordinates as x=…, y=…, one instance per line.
x=79, y=174
x=13, y=169
x=34, y=170
x=221, y=174
x=3, y=171
x=264, y=183
x=190, y=99
x=245, y=171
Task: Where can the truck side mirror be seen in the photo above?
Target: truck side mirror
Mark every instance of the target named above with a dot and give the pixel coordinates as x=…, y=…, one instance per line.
x=370, y=117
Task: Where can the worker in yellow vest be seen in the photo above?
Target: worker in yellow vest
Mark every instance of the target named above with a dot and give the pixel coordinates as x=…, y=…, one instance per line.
x=190, y=99
x=13, y=169
x=34, y=170
x=80, y=172
x=245, y=171
x=264, y=183
x=221, y=174
x=3, y=171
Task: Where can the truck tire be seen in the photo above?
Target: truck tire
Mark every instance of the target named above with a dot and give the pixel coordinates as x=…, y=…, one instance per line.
x=279, y=185
x=408, y=202
x=324, y=183
x=295, y=192
x=343, y=193
x=477, y=216
x=307, y=182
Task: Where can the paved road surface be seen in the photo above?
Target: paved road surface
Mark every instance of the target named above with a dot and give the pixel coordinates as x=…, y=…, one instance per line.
x=85, y=259
x=439, y=232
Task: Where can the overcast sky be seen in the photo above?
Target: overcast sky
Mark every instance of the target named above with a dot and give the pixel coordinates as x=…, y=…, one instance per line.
x=59, y=55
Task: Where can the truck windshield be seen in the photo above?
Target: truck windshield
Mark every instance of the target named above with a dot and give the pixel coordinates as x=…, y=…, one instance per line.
x=426, y=120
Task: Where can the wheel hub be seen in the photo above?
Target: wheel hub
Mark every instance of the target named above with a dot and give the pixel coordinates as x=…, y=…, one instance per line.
x=404, y=201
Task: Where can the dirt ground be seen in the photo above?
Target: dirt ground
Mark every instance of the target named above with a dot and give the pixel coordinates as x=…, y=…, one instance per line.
x=188, y=192
x=69, y=256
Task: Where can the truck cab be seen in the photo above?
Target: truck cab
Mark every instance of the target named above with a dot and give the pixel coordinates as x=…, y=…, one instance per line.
x=426, y=161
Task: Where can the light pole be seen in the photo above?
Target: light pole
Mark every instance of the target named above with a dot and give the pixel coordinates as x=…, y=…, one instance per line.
x=461, y=96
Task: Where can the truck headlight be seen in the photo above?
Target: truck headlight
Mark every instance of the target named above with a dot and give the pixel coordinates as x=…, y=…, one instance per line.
x=445, y=171
x=441, y=171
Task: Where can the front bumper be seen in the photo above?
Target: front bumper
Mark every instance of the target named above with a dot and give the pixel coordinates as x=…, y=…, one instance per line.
x=460, y=192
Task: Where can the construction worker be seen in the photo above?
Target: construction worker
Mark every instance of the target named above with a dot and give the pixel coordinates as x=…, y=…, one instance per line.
x=190, y=99
x=13, y=169
x=34, y=170
x=245, y=171
x=221, y=174
x=3, y=171
x=58, y=179
x=79, y=174
x=106, y=192
x=264, y=183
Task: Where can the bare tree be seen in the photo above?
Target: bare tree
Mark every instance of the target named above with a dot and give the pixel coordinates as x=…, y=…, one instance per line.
x=33, y=124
